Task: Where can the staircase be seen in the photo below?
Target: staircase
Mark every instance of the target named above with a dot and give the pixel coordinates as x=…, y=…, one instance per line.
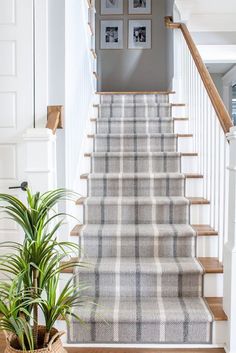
x=143, y=220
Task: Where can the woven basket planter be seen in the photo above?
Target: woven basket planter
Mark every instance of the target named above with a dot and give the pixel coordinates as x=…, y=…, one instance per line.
x=54, y=346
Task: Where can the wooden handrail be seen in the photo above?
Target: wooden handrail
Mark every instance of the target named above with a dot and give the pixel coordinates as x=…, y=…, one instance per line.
x=217, y=102
x=55, y=117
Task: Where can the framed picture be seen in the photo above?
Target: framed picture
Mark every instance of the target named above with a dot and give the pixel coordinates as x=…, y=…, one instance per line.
x=112, y=34
x=138, y=7
x=140, y=34
x=111, y=7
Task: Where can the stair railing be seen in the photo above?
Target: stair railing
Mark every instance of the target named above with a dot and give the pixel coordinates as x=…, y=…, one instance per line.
x=215, y=142
x=209, y=121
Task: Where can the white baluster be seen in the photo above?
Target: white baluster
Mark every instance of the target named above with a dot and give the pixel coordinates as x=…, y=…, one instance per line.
x=230, y=250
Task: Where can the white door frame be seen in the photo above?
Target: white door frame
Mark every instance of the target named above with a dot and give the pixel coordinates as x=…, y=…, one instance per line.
x=41, y=62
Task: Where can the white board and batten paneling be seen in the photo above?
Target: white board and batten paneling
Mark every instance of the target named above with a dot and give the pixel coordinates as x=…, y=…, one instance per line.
x=16, y=95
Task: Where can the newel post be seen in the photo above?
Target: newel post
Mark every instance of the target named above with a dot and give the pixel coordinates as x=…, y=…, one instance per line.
x=40, y=157
x=230, y=250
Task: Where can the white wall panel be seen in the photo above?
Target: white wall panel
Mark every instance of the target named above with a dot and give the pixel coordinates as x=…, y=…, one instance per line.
x=8, y=162
x=8, y=109
x=7, y=11
x=7, y=58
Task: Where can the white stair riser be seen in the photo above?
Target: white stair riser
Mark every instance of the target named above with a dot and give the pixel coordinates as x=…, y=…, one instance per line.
x=219, y=333
x=194, y=187
x=200, y=214
x=213, y=285
x=178, y=111
x=185, y=144
x=189, y=164
x=181, y=127
x=207, y=246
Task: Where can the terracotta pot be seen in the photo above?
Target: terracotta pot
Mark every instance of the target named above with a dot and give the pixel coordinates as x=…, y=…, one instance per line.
x=54, y=346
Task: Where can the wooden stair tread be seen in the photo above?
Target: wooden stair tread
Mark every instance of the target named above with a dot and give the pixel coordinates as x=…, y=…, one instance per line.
x=189, y=154
x=96, y=75
x=204, y=229
x=193, y=176
x=198, y=201
x=93, y=53
x=76, y=230
x=84, y=176
x=178, y=104
x=215, y=305
x=91, y=29
x=69, y=269
x=81, y=200
x=185, y=135
x=211, y=264
x=180, y=119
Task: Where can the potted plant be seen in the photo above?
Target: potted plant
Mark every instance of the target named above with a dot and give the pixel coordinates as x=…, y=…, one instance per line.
x=32, y=271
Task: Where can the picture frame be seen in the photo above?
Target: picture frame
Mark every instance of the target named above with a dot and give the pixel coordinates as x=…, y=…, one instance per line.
x=112, y=7
x=112, y=34
x=140, y=34
x=140, y=7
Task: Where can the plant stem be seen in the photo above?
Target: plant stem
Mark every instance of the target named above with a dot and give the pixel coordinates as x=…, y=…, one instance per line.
x=46, y=339
x=35, y=309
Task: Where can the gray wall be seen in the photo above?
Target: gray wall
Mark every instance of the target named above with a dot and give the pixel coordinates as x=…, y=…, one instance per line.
x=135, y=69
x=217, y=78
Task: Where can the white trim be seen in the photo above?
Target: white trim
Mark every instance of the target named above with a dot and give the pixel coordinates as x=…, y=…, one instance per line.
x=41, y=62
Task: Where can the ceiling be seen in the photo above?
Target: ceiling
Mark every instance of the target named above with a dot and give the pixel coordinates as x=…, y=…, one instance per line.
x=208, y=6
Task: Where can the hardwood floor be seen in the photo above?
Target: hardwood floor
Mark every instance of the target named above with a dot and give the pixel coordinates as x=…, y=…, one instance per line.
x=123, y=350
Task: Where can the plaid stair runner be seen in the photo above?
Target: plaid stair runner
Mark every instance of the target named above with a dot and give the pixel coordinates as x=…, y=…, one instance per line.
x=144, y=281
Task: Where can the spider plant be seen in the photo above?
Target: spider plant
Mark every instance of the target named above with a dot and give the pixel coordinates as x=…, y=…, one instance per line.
x=34, y=267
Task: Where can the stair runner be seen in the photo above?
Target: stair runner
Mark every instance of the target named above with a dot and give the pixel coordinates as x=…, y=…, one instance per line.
x=144, y=280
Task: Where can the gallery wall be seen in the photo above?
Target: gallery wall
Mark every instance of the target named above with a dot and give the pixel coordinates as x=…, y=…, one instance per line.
x=137, y=69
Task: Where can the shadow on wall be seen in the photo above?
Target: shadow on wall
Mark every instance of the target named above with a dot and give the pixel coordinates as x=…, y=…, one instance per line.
x=137, y=69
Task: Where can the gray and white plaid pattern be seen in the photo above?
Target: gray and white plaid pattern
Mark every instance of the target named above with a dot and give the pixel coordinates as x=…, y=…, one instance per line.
x=135, y=142
x=132, y=162
x=150, y=320
x=138, y=110
x=135, y=98
x=136, y=210
x=154, y=240
x=144, y=282
x=134, y=126
x=115, y=185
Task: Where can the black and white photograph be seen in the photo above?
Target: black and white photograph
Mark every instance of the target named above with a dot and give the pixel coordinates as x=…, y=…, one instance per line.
x=139, y=34
x=140, y=7
x=112, y=34
x=111, y=7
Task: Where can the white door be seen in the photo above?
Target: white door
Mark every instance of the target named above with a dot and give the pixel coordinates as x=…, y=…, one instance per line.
x=16, y=95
